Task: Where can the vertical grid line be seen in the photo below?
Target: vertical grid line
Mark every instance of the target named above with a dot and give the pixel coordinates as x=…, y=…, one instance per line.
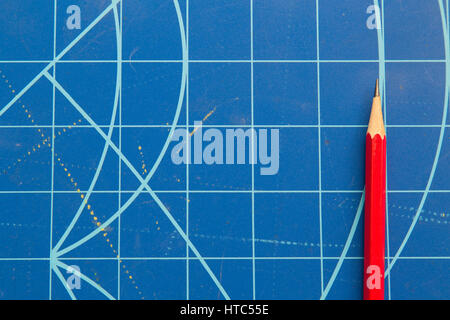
x=387, y=188
x=319, y=145
x=120, y=148
x=253, y=149
x=55, y=3
x=188, y=152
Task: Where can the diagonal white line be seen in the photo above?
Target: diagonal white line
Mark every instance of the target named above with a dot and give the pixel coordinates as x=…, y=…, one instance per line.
x=58, y=57
x=144, y=184
x=87, y=279
x=63, y=281
x=105, y=149
x=158, y=160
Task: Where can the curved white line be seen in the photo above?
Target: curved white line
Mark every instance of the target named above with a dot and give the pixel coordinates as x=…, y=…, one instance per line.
x=106, y=146
x=88, y=280
x=439, y=146
x=144, y=182
x=345, y=249
x=63, y=281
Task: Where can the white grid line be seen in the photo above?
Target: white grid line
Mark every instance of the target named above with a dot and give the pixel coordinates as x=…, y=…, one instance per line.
x=387, y=184
x=319, y=145
x=208, y=191
x=231, y=61
x=188, y=151
x=216, y=126
x=55, y=7
x=120, y=163
x=252, y=149
x=220, y=258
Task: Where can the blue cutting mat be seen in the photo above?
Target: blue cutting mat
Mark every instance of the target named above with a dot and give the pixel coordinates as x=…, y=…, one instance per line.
x=85, y=114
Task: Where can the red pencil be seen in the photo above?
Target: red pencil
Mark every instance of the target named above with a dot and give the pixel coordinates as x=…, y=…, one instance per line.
x=375, y=204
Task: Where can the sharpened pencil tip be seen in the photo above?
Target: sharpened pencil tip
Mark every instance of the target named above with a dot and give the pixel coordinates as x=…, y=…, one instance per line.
x=377, y=90
x=376, y=125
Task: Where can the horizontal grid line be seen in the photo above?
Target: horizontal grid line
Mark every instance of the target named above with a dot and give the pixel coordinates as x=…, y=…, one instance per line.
x=220, y=258
x=234, y=61
x=211, y=191
x=220, y=126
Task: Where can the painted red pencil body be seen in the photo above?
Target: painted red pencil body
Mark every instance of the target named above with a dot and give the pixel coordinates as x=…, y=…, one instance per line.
x=375, y=204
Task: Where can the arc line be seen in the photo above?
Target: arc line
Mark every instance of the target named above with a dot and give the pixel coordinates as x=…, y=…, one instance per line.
x=63, y=281
x=439, y=146
x=59, y=57
x=144, y=183
x=88, y=280
x=345, y=249
x=381, y=75
x=105, y=147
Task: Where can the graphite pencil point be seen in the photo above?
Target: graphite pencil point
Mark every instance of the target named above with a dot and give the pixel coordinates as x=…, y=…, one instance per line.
x=377, y=90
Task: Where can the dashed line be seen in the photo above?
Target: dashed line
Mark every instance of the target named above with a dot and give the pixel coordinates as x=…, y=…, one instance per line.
x=96, y=221
x=143, y=166
x=45, y=142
